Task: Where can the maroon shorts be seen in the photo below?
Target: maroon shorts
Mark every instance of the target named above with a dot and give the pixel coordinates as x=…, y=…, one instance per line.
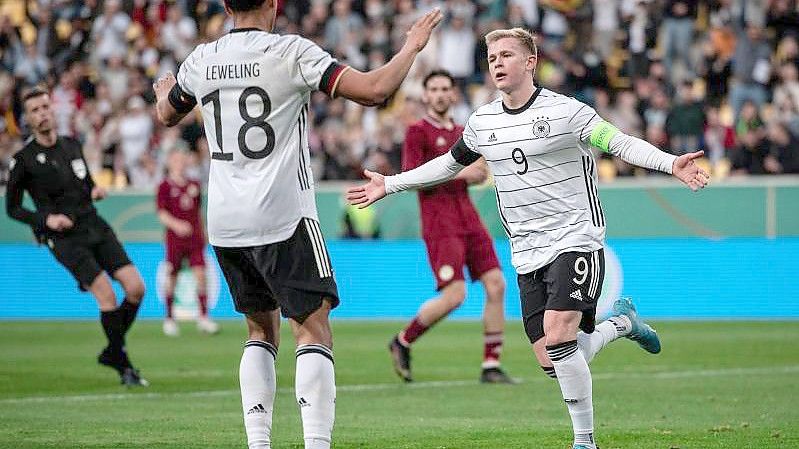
x=176, y=253
x=448, y=254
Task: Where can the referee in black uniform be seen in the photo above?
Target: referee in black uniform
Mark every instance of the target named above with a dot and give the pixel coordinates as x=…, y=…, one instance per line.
x=53, y=171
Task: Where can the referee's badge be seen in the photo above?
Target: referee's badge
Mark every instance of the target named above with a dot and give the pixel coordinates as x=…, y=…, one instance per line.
x=11, y=164
x=79, y=168
x=41, y=158
x=541, y=128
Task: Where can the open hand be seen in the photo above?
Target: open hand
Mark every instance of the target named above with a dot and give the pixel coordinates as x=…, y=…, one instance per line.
x=366, y=194
x=58, y=222
x=686, y=170
x=420, y=32
x=182, y=228
x=98, y=193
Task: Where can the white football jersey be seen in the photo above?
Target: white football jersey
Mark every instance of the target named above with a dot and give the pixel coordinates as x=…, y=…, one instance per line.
x=545, y=175
x=253, y=89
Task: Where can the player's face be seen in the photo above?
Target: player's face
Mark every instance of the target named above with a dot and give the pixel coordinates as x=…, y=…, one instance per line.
x=510, y=64
x=39, y=115
x=438, y=94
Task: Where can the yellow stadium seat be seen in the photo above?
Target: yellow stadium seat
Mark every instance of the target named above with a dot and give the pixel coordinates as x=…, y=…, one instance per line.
x=606, y=170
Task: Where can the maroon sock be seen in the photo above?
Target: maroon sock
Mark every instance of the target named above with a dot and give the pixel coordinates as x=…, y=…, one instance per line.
x=414, y=330
x=492, y=349
x=170, y=301
x=202, y=298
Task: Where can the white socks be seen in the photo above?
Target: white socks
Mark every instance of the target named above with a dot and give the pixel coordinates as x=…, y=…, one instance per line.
x=575, y=384
x=258, y=385
x=315, y=388
x=605, y=332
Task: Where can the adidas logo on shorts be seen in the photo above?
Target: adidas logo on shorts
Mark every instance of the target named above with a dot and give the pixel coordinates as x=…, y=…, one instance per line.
x=576, y=295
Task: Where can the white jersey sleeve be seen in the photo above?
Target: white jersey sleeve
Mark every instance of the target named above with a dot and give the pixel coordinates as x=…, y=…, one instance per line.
x=316, y=68
x=187, y=77
x=589, y=128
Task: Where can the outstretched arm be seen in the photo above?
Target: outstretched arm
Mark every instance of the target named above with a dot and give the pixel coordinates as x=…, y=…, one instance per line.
x=438, y=170
x=643, y=154
x=590, y=128
x=374, y=87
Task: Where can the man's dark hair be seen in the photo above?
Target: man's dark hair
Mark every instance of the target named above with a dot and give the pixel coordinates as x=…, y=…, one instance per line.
x=33, y=92
x=244, y=5
x=436, y=73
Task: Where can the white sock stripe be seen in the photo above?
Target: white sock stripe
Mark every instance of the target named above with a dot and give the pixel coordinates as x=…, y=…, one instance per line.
x=323, y=247
x=562, y=352
x=314, y=244
x=262, y=344
x=494, y=338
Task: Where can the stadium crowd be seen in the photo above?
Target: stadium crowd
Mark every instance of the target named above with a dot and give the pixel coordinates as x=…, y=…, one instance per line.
x=717, y=75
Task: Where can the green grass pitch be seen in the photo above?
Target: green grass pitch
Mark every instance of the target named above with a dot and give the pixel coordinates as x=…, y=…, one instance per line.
x=716, y=385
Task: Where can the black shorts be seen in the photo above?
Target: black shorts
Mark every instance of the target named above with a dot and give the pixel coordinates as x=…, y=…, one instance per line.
x=295, y=274
x=573, y=281
x=88, y=250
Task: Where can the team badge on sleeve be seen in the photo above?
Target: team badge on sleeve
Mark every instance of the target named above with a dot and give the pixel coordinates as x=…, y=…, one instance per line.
x=79, y=168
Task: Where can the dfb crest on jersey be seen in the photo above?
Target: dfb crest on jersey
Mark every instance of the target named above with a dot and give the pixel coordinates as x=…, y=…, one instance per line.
x=79, y=168
x=541, y=128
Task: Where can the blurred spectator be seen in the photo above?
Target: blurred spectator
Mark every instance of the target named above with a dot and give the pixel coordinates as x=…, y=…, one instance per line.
x=678, y=33
x=783, y=152
x=135, y=132
x=751, y=68
x=750, y=154
x=719, y=139
x=31, y=67
x=108, y=32
x=622, y=56
x=685, y=121
x=457, y=43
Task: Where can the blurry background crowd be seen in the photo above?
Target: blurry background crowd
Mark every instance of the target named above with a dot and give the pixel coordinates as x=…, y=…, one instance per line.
x=715, y=75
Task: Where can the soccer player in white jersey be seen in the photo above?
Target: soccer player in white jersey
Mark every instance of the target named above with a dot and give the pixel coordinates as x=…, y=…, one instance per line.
x=539, y=147
x=253, y=89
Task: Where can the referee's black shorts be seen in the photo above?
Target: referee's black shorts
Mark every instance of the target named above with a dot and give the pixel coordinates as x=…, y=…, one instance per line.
x=88, y=250
x=295, y=274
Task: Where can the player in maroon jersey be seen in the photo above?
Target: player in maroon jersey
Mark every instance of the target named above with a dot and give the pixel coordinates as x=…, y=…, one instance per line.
x=454, y=235
x=179, y=201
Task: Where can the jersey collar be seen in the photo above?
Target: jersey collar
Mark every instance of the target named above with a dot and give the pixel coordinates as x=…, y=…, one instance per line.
x=448, y=126
x=244, y=30
x=525, y=106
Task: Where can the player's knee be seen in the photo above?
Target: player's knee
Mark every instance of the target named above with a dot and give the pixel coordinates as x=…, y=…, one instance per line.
x=454, y=295
x=495, y=287
x=134, y=290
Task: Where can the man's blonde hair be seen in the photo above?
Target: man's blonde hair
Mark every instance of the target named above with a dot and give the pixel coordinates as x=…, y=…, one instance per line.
x=526, y=38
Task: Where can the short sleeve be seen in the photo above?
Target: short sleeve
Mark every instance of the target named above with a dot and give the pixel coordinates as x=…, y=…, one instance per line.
x=317, y=69
x=413, y=148
x=187, y=74
x=162, y=202
x=469, y=135
x=465, y=150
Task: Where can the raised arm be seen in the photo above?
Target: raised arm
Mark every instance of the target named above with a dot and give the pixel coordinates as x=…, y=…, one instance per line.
x=172, y=104
x=374, y=87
